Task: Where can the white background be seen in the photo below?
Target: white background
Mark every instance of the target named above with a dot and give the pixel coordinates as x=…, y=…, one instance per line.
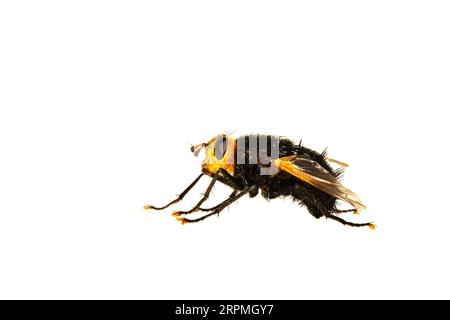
x=99, y=101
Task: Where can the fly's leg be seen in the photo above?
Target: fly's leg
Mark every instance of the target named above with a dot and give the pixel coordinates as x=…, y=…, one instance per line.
x=178, y=199
x=352, y=224
x=225, y=177
x=323, y=211
x=230, y=180
x=355, y=211
x=215, y=207
x=203, y=199
x=219, y=208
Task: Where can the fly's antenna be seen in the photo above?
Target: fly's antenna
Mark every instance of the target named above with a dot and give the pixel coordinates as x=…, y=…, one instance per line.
x=196, y=149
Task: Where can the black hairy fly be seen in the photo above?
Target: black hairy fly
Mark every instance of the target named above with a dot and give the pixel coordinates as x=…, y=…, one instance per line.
x=276, y=167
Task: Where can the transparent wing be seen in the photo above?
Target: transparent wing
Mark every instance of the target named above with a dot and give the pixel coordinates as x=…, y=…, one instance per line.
x=339, y=163
x=313, y=173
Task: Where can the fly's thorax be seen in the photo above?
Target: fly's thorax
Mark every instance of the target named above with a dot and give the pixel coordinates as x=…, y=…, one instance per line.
x=225, y=153
x=260, y=150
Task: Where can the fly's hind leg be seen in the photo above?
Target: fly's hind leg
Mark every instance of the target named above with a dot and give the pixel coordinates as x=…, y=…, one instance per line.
x=178, y=199
x=351, y=224
x=355, y=211
x=318, y=209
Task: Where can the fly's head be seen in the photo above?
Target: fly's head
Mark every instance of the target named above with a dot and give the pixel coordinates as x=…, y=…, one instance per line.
x=219, y=154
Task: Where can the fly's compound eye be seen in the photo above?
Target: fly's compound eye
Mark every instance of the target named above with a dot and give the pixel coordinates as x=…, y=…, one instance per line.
x=220, y=148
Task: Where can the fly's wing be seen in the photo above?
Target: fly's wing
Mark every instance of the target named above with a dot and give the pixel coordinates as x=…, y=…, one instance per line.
x=313, y=173
x=339, y=163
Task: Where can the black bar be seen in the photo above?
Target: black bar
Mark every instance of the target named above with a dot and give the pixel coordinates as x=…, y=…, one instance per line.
x=226, y=309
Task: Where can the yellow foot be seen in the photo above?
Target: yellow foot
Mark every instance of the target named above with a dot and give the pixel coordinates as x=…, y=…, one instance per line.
x=372, y=226
x=356, y=212
x=149, y=207
x=180, y=213
x=183, y=220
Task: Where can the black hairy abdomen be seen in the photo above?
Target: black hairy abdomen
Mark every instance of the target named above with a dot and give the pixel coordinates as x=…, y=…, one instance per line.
x=283, y=184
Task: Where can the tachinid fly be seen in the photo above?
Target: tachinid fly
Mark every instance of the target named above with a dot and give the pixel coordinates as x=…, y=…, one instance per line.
x=276, y=167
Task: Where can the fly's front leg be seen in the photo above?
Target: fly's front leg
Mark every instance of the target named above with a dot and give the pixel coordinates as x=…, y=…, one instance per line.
x=231, y=181
x=203, y=199
x=219, y=208
x=224, y=177
x=178, y=199
x=215, y=207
